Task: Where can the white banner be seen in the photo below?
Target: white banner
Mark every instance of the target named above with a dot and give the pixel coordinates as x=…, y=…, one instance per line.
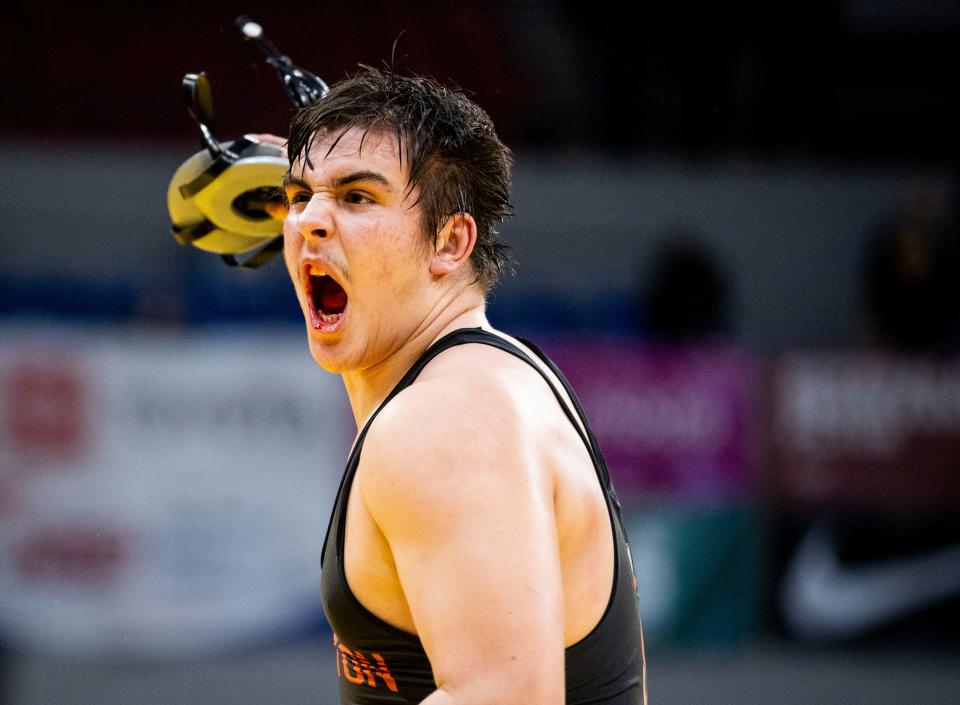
x=162, y=496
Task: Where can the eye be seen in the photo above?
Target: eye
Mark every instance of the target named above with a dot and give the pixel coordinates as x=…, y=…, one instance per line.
x=357, y=198
x=298, y=197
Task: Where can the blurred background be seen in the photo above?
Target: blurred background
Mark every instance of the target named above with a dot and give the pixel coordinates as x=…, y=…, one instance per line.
x=735, y=229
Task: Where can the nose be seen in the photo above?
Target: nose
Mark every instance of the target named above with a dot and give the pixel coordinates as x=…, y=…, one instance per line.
x=316, y=220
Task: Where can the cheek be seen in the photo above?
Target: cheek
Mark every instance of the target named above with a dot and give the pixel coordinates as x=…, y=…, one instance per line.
x=390, y=257
x=403, y=266
x=291, y=249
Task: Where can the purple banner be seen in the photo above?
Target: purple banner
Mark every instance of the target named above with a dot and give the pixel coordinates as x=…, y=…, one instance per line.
x=668, y=420
x=865, y=429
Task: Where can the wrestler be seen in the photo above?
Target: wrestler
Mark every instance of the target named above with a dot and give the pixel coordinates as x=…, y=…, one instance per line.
x=475, y=554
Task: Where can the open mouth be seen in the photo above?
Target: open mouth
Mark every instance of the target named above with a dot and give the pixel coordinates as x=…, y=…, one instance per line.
x=327, y=299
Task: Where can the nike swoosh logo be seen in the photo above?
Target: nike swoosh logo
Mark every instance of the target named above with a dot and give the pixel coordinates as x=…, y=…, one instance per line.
x=823, y=600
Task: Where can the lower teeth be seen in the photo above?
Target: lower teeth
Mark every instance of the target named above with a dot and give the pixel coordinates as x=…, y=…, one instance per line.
x=330, y=317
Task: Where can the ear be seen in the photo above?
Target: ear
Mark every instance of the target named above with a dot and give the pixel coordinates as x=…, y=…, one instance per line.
x=455, y=243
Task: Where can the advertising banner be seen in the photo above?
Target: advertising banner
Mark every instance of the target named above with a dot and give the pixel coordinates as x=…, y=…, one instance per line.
x=699, y=572
x=162, y=496
x=865, y=430
x=864, y=467
x=676, y=421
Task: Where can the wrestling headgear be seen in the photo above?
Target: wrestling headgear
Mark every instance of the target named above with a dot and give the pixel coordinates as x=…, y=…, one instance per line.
x=217, y=198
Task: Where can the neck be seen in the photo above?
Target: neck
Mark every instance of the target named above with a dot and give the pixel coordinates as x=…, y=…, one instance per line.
x=367, y=388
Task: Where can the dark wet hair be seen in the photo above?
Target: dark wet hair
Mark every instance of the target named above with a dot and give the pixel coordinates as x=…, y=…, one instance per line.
x=446, y=140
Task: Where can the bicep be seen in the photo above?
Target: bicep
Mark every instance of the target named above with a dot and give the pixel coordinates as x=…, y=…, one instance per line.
x=472, y=531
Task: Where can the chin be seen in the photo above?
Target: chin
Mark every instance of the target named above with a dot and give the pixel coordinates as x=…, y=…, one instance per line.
x=325, y=356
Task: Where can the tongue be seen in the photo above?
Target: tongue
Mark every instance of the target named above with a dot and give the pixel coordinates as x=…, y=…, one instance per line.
x=333, y=299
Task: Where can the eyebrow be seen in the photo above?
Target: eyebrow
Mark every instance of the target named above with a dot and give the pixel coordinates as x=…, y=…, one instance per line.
x=366, y=175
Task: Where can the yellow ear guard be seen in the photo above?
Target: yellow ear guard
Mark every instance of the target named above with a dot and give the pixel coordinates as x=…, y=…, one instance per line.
x=217, y=198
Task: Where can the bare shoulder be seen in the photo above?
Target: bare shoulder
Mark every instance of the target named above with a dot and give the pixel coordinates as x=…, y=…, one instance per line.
x=466, y=426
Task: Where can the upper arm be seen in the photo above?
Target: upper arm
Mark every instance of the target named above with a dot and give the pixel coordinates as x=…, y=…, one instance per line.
x=468, y=514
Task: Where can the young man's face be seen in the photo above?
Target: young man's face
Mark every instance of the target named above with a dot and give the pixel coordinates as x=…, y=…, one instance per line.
x=355, y=250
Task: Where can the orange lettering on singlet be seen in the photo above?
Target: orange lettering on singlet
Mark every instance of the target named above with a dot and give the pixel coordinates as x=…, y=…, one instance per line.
x=362, y=667
x=384, y=672
x=350, y=660
x=366, y=667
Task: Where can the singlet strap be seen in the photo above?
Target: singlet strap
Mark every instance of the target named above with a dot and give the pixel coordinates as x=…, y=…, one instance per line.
x=478, y=335
x=574, y=399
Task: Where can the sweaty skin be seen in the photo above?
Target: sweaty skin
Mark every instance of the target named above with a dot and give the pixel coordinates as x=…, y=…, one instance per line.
x=475, y=520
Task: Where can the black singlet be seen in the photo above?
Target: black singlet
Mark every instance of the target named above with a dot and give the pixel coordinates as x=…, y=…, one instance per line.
x=378, y=663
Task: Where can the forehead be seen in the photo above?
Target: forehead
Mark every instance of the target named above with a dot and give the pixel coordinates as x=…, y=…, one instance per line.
x=335, y=151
